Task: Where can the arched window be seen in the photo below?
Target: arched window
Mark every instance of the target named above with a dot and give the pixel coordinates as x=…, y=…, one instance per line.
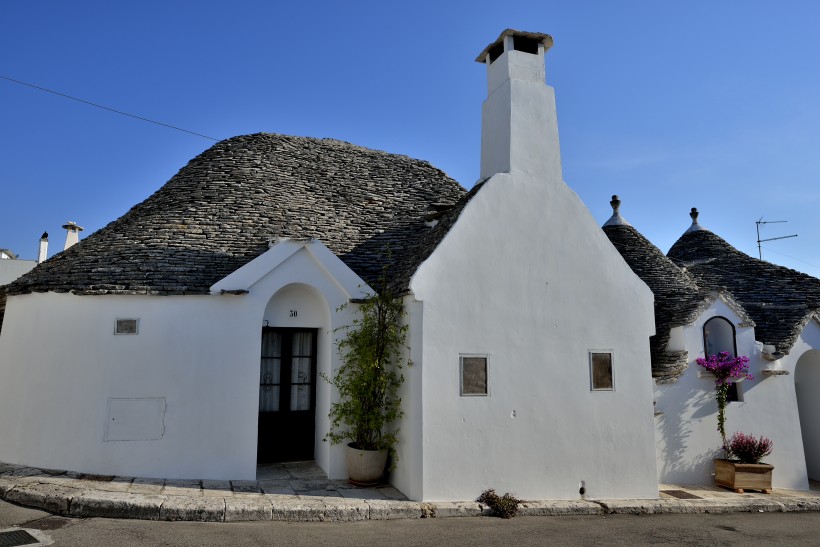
x=718, y=336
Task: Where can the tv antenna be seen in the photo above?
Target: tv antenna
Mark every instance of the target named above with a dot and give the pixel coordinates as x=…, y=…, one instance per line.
x=759, y=241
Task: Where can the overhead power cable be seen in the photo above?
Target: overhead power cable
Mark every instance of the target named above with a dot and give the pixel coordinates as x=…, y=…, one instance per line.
x=107, y=108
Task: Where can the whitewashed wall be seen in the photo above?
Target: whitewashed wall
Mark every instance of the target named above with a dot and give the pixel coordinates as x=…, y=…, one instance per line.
x=804, y=363
x=60, y=363
x=12, y=268
x=527, y=277
x=409, y=471
x=687, y=436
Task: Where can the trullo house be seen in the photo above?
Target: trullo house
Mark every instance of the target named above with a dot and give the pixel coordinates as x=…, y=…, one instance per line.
x=709, y=298
x=141, y=350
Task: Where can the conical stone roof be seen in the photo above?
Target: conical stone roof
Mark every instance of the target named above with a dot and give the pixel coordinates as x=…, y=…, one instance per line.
x=221, y=210
x=678, y=298
x=779, y=300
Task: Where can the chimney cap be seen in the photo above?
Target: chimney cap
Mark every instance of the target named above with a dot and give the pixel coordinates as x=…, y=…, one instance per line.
x=71, y=225
x=545, y=39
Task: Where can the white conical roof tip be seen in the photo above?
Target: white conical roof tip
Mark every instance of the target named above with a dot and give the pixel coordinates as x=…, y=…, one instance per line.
x=695, y=227
x=616, y=219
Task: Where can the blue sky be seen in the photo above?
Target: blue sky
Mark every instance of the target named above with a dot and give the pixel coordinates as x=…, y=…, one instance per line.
x=671, y=105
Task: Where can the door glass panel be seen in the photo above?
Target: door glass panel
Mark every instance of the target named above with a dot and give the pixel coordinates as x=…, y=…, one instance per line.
x=268, y=398
x=271, y=344
x=302, y=344
x=269, y=385
x=300, y=370
x=300, y=397
x=270, y=371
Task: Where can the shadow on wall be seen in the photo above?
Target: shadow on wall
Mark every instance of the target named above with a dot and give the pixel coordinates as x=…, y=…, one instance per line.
x=691, y=396
x=678, y=461
x=807, y=385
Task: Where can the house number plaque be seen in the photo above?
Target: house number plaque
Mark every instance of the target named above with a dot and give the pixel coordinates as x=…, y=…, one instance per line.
x=294, y=313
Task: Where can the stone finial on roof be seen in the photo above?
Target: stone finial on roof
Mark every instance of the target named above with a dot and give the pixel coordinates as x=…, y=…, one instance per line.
x=616, y=219
x=695, y=227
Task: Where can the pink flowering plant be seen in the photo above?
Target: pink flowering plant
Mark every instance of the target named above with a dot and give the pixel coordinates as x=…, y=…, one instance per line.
x=727, y=370
x=747, y=448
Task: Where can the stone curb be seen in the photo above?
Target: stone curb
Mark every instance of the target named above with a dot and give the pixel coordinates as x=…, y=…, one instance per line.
x=84, y=497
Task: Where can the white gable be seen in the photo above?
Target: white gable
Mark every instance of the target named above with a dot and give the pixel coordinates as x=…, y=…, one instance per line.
x=251, y=273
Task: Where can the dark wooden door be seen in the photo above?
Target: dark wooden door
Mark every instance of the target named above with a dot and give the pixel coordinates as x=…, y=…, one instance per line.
x=287, y=395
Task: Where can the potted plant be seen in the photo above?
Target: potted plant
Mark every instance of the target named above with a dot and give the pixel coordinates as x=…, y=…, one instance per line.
x=368, y=380
x=741, y=467
x=744, y=470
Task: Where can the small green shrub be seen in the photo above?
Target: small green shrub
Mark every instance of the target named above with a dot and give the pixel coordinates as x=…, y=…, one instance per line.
x=505, y=506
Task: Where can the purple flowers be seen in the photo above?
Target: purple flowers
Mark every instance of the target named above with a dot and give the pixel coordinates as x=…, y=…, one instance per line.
x=726, y=369
x=747, y=448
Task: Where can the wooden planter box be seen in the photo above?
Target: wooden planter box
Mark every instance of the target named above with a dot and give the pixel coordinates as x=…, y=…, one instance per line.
x=739, y=476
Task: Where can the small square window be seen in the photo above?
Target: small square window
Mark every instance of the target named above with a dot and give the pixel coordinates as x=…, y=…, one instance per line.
x=735, y=394
x=600, y=368
x=127, y=326
x=474, y=375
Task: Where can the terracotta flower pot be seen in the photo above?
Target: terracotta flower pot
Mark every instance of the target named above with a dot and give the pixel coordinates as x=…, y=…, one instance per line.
x=739, y=476
x=365, y=467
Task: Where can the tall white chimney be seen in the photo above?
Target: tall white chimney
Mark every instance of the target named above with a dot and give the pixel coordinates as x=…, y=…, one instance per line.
x=42, y=254
x=72, y=235
x=519, y=127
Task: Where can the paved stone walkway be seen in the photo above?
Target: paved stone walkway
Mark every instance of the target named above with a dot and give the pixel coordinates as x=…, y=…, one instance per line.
x=302, y=492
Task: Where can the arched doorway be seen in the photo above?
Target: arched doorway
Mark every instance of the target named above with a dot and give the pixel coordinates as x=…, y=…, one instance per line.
x=807, y=386
x=294, y=321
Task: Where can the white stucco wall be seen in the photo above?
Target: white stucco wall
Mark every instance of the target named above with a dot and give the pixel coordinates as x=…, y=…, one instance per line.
x=60, y=363
x=407, y=476
x=807, y=383
x=804, y=360
x=687, y=436
x=527, y=277
x=12, y=268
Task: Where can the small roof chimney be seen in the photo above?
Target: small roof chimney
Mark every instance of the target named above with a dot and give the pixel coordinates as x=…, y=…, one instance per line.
x=72, y=235
x=42, y=254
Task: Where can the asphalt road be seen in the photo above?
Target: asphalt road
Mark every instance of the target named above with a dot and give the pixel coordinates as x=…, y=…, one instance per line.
x=746, y=529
